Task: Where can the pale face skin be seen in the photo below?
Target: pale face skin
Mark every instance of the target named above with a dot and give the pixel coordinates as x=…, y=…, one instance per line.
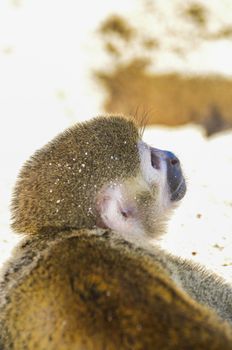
x=138, y=207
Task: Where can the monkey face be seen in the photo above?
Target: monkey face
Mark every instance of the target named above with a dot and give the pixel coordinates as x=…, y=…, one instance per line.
x=139, y=205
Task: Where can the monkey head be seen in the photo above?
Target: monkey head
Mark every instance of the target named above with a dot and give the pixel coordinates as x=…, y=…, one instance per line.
x=98, y=173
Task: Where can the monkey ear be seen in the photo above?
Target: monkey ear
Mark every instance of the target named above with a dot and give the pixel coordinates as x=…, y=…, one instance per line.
x=116, y=211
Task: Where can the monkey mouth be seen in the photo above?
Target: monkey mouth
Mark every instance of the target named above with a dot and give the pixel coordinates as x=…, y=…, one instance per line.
x=175, y=178
x=179, y=192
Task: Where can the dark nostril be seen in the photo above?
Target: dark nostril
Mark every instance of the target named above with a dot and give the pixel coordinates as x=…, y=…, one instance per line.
x=171, y=158
x=174, y=161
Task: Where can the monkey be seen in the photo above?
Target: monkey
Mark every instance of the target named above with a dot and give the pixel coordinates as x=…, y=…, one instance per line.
x=85, y=275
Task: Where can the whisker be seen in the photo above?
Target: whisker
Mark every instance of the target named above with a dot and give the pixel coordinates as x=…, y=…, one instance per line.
x=141, y=119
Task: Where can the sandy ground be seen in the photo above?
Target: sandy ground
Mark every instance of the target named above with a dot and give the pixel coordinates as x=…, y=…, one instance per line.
x=201, y=228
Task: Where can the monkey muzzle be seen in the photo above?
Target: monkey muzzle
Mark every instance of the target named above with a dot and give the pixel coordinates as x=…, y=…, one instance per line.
x=175, y=178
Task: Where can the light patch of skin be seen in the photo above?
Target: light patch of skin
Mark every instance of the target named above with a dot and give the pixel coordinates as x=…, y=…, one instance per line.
x=155, y=177
x=119, y=211
x=138, y=206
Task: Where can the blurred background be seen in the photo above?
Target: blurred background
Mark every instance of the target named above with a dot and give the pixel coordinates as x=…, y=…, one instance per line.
x=63, y=62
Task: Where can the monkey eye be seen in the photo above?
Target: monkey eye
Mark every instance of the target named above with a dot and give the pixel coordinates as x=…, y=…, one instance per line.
x=155, y=159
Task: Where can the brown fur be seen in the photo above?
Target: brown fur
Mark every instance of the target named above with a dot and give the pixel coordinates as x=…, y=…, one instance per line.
x=91, y=290
x=57, y=187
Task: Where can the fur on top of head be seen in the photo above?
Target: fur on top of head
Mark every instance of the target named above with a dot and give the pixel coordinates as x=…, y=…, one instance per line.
x=57, y=186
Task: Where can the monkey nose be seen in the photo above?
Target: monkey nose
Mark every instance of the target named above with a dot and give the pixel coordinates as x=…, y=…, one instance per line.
x=171, y=159
x=175, y=177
